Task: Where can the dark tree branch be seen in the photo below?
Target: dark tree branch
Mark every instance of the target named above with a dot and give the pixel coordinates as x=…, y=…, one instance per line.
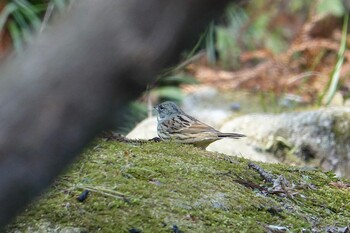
x=62, y=91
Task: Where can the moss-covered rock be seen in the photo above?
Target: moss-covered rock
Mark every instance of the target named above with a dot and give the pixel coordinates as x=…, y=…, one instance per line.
x=167, y=187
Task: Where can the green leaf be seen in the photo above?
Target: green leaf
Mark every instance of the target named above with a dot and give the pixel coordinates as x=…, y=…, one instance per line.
x=28, y=11
x=334, y=79
x=6, y=12
x=15, y=33
x=23, y=26
x=18, y=17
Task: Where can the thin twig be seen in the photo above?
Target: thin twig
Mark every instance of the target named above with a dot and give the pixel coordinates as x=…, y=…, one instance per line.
x=103, y=191
x=264, y=174
x=305, y=75
x=192, y=59
x=47, y=16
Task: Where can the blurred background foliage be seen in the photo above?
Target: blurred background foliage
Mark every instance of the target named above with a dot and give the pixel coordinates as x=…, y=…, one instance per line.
x=281, y=47
x=291, y=50
x=20, y=20
x=288, y=49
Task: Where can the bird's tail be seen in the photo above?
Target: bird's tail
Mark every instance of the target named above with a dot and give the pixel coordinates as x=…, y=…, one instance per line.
x=230, y=135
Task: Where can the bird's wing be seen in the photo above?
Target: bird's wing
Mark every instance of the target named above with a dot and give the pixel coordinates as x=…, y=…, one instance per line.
x=188, y=124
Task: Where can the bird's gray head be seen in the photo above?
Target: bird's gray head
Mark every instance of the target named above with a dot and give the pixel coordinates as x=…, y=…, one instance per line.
x=167, y=109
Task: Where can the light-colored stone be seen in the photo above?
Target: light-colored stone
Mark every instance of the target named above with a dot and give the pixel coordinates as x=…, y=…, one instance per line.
x=146, y=129
x=240, y=148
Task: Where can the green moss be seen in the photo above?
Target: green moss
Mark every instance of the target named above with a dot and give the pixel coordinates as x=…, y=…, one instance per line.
x=156, y=186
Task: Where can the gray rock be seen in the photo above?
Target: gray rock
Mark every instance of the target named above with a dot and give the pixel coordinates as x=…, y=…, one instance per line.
x=319, y=137
x=241, y=148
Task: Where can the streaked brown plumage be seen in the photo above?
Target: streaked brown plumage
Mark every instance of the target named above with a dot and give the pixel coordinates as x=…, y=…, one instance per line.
x=174, y=124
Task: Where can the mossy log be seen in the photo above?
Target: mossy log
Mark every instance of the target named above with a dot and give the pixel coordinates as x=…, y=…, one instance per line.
x=167, y=187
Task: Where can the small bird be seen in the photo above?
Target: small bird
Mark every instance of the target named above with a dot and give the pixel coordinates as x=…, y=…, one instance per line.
x=174, y=124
